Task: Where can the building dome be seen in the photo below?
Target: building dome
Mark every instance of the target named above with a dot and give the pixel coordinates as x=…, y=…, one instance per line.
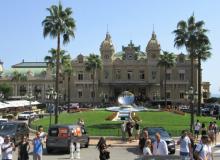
x=153, y=43
x=107, y=43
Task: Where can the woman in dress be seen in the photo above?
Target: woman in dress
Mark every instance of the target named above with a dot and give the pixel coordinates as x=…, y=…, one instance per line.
x=104, y=154
x=23, y=149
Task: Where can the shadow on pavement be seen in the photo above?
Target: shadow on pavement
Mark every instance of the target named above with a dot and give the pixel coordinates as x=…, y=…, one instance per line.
x=134, y=150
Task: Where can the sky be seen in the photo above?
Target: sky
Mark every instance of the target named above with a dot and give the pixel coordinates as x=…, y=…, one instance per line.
x=21, y=31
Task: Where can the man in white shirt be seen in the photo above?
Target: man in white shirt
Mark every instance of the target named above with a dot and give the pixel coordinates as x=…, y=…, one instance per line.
x=201, y=151
x=1, y=142
x=7, y=149
x=159, y=146
x=197, y=127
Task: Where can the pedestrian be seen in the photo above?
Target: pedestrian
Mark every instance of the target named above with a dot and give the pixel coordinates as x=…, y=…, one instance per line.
x=7, y=148
x=143, y=139
x=201, y=150
x=185, y=146
x=129, y=127
x=159, y=146
x=215, y=127
x=210, y=153
x=123, y=131
x=23, y=149
x=197, y=127
x=1, y=142
x=75, y=143
x=137, y=130
x=211, y=132
x=42, y=133
x=203, y=129
x=104, y=153
x=147, y=148
x=81, y=122
x=37, y=147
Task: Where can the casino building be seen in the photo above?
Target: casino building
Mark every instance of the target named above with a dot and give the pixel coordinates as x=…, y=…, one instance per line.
x=130, y=69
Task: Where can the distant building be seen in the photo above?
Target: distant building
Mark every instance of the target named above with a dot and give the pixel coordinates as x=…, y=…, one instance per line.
x=128, y=70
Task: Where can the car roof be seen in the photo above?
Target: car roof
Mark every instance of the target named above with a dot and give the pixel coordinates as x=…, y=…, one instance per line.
x=65, y=125
x=14, y=122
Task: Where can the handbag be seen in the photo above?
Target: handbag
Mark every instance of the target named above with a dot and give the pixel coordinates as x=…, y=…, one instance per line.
x=106, y=154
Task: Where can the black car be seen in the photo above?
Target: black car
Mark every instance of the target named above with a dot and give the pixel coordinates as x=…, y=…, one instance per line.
x=15, y=129
x=163, y=134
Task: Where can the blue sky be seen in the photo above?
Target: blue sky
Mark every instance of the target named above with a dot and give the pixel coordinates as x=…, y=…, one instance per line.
x=21, y=29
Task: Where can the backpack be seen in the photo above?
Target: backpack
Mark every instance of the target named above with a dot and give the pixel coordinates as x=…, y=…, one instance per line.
x=194, y=150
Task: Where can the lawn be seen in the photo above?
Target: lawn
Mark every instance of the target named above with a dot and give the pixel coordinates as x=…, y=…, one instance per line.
x=96, y=124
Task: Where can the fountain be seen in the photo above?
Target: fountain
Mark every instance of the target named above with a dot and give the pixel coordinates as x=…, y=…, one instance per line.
x=126, y=107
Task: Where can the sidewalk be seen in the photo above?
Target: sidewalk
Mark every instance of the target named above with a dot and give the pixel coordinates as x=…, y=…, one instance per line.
x=117, y=142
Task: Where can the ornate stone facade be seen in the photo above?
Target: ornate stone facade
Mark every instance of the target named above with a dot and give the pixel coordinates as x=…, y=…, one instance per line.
x=132, y=70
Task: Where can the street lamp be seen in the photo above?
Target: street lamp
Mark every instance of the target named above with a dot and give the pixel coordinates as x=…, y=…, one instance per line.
x=52, y=96
x=2, y=96
x=29, y=96
x=191, y=95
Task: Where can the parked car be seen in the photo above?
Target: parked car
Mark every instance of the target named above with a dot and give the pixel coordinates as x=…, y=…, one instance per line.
x=15, y=129
x=163, y=134
x=59, y=137
x=2, y=120
x=27, y=115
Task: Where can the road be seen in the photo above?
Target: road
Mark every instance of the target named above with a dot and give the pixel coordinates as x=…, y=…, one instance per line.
x=117, y=153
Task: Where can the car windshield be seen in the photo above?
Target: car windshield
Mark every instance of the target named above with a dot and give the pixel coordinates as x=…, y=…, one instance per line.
x=7, y=127
x=27, y=113
x=153, y=131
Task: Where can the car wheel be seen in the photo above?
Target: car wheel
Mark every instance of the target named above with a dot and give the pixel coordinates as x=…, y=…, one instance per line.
x=87, y=144
x=49, y=150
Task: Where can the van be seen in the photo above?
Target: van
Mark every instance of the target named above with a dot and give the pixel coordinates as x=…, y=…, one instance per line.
x=15, y=129
x=59, y=137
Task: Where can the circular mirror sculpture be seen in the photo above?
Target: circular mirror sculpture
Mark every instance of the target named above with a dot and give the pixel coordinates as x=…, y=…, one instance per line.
x=126, y=106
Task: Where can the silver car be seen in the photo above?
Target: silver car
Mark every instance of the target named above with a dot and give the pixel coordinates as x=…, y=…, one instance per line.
x=59, y=137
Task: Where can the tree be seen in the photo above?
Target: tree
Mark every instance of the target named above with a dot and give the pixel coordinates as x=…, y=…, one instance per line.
x=203, y=53
x=191, y=35
x=68, y=70
x=92, y=64
x=6, y=89
x=58, y=24
x=166, y=60
x=16, y=76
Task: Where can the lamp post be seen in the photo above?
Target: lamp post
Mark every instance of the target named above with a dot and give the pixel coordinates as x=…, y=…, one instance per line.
x=191, y=95
x=30, y=96
x=51, y=95
x=2, y=96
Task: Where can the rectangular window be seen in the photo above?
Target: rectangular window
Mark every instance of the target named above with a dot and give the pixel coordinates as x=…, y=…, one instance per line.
x=182, y=95
x=168, y=76
x=141, y=75
x=92, y=76
x=168, y=95
x=92, y=94
x=181, y=76
x=79, y=94
x=80, y=75
x=118, y=74
x=129, y=75
x=154, y=74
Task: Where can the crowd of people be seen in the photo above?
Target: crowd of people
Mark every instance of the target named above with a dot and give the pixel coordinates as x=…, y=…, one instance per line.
x=129, y=128
x=7, y=147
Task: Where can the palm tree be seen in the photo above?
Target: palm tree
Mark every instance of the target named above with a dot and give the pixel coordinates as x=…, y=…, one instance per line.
x=93, y=63
x=68, y=70
x=58, y=23
x=166, y=60
x=16, y=76
x=191, y=35
x=203, y=53
x=51, y=60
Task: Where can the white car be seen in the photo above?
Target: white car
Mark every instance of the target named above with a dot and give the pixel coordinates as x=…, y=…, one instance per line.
x=27, y=115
